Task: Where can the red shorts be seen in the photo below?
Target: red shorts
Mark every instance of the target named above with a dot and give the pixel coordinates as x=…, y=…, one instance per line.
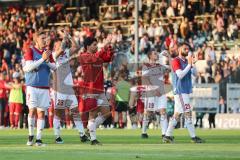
x=140, y=106
x=87, y=105
x=15, y=107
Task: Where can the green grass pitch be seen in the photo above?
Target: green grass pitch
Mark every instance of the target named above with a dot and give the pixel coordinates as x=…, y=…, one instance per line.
x=122, y=145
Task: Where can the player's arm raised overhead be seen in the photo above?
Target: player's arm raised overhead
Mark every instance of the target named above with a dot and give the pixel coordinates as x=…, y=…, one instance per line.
x=75, y=46
x=107, y=52
x=60, y=46
x=178, y=69
x=30, y=65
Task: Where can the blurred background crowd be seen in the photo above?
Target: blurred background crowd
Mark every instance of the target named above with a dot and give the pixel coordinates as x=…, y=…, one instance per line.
x=209, y=26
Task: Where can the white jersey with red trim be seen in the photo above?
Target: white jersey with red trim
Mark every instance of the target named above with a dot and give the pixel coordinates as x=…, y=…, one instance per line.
x=64, y=95
x=153, y=76
x=64, y=75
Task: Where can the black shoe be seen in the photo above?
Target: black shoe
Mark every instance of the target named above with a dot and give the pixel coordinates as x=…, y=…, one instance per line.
x=87, y=133
x=163, y=137
x=30, y=141
x=168, y=139
x=95, y=142
x=197, y=140
x=144, y=135
x=39, y=142
x=84, y=138
x=59, y=140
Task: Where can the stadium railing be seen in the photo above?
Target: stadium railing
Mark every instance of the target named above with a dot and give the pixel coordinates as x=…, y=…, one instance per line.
x=165, y=20
x=60, y=24
x=76, y=8
x=110, y=25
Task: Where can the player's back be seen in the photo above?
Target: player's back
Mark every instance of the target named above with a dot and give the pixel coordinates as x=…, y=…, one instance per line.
x=62, y=76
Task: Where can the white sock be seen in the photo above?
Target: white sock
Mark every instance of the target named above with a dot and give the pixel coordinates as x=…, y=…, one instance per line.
x=79, y=127
x=171, y=126
x=56, y=126
x=190, y=127
x=99, y=120
x=158, y=120
x=164, y=124
x=40, y=126
x=145, y=124
x=31, y=125
x=92, y=129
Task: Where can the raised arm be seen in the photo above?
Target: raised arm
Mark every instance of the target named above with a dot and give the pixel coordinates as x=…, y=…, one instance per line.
x=106, y=53
x=75, y=47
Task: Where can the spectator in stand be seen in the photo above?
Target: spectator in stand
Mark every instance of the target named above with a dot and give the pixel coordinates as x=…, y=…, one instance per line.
x=145, y=44
x=220, y=27
x=184, y=28
x=170, y=11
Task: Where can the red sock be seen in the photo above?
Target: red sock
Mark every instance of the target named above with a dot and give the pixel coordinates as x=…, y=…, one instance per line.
x=16, y=120
x=11, y=117
x=50, y=120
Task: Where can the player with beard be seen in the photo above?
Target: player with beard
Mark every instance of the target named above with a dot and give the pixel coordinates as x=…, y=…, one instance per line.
x=183, y=69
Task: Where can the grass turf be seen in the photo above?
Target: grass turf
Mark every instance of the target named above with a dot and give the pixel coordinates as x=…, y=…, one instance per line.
x=122, y=145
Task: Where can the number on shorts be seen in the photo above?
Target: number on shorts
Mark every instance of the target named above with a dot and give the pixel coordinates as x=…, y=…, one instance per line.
x=60, y=102
x=150, y=105
x=187, y=106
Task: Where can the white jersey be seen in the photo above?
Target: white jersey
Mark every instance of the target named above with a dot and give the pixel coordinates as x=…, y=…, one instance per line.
x=63, y=81
x=153, y=75
x=62, y=64
x=64, y=95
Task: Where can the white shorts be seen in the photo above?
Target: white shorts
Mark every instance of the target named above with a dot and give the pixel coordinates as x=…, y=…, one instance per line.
x=38, y=98
x=155, y=103
x=102, y=100
x=61, y=101
x=182, y=103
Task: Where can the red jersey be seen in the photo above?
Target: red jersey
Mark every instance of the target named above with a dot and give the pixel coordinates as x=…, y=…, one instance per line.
x=3, y=89
x=92, y=67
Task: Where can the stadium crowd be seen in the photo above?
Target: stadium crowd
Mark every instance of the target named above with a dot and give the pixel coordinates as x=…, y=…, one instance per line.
x=17, y=26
